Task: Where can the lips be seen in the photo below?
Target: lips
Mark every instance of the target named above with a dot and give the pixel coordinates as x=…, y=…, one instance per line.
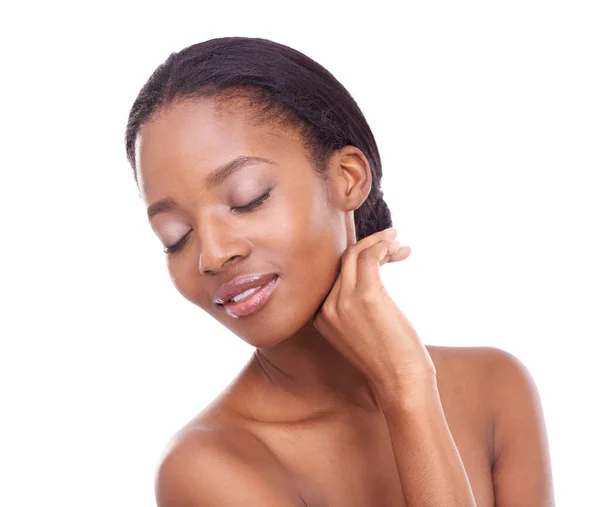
x=240, y=284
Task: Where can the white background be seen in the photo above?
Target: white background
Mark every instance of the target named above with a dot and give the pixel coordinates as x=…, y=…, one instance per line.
x=487, y=118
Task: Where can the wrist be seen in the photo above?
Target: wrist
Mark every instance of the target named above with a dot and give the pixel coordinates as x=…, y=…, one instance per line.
x=408, y=395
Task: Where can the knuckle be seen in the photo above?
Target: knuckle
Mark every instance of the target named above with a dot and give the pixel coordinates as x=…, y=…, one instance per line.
x=345, y=306
x=370, y=296
x=350, y=249
x=373, y=293
x=328, y=310
x=363, y=255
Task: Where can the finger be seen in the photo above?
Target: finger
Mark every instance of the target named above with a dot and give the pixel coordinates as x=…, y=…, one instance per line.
x=348, y=269
x=369, y=260
x=402, y=253
x=332, y=295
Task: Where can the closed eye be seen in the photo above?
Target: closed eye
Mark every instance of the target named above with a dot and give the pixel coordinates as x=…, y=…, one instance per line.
x=173, y=248
x=243, y=209
x=257, y=202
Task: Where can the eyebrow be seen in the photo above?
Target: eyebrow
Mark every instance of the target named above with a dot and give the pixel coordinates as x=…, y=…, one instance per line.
x=215, y=178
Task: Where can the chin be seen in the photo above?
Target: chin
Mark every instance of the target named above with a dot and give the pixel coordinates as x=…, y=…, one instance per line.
x=270, y=328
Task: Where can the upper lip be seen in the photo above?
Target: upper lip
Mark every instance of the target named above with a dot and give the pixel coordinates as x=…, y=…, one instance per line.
x=240, y=284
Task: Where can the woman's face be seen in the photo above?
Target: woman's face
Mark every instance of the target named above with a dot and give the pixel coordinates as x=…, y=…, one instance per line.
x=293, y=232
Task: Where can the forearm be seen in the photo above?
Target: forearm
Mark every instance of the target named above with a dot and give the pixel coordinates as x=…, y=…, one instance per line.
x=429, y=465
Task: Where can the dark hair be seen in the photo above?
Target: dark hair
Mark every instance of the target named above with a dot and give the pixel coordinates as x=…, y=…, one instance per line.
x=280, y=84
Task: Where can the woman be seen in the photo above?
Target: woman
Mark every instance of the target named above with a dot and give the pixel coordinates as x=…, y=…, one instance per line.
x=263, y=181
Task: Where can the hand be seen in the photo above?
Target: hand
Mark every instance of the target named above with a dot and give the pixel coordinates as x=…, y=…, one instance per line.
x=360, y=319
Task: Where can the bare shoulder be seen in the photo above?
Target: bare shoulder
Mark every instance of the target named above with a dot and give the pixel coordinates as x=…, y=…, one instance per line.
x=466, y=379
x=489, y=365
x=468, y=362
x=521, y=464
x=479, y=371
x=206, y=466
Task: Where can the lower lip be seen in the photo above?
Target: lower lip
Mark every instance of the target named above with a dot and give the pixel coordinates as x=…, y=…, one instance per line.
x=253, y=302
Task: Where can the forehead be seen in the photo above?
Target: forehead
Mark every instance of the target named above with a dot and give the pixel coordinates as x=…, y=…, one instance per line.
x=183, y=142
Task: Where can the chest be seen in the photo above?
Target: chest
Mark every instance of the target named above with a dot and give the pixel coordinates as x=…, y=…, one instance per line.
x=350, y=462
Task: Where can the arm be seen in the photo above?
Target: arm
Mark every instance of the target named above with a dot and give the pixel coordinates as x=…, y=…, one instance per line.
x=360, y=319
x=521, y=472
x=210, y=472
x=429, y=465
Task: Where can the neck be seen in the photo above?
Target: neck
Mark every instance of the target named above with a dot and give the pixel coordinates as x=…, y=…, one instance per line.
x=307, y=366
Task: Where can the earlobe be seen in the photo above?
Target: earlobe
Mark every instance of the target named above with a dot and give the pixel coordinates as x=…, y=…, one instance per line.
x=356, y=173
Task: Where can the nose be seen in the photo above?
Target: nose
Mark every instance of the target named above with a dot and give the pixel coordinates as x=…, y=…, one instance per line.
x=218, y=245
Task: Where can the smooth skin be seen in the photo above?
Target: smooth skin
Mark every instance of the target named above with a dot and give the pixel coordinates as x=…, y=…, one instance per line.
x=362, y=322
x=303, y=423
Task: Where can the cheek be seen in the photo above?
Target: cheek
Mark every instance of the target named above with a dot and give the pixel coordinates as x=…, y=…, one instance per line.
x=298, y=230
x=312, y=247
x=185, y=279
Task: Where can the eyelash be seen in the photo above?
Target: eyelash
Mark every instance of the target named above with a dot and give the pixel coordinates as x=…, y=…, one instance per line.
x=243, y=209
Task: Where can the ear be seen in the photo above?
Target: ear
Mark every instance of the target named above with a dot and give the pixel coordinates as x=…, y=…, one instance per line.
x=350, y=178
